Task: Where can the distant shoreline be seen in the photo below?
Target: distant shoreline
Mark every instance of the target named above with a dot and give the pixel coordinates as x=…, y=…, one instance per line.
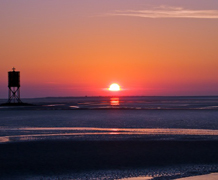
x=51, y=97
x=118, y=102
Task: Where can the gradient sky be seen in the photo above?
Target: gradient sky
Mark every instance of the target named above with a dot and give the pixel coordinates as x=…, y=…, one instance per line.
x=80, y=47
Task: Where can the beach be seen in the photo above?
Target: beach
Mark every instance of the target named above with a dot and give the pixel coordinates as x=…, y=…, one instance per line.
x=88, y=138
x=108, y=90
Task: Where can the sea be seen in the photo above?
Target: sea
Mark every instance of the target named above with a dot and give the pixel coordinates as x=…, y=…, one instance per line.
x=114, y=119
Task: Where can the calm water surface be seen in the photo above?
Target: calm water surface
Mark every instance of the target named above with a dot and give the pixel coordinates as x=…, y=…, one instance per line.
x=106, y=118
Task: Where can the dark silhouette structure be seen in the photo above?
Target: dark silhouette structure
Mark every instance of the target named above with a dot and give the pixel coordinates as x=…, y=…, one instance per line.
x=14, y=90
x=14, y=86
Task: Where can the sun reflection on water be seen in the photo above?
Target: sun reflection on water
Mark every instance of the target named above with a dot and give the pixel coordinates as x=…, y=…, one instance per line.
x=114, y=101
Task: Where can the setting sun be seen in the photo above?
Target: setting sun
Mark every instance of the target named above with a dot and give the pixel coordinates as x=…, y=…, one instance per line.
x=114, y=87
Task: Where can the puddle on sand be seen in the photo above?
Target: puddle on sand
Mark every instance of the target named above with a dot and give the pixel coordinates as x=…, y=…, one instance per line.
x=34, y=133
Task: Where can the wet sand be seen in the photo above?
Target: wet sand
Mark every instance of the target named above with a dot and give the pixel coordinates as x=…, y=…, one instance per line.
x=57, y=157
x=212, y=176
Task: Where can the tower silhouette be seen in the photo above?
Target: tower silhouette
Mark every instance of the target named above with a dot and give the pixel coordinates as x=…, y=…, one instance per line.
x=14, y=86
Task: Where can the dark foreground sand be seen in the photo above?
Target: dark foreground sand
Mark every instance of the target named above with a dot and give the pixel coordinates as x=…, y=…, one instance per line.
x=57, y=157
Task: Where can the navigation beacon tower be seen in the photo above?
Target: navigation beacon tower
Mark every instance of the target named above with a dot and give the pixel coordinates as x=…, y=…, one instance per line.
x=14, y=86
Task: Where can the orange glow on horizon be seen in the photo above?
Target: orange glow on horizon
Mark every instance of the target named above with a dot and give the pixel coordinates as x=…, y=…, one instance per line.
x=83, y=56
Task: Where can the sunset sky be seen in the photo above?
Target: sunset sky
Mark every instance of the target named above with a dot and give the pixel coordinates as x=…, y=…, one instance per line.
x=80, y=47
